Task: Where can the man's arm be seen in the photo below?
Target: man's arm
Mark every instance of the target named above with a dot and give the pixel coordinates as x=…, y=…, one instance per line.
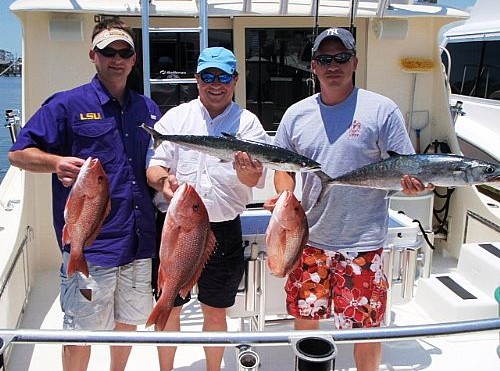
x=35, y=160
x=283, y=180
x=162, y=181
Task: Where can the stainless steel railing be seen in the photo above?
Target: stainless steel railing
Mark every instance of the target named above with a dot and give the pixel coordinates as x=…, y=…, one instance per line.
x=235, y=339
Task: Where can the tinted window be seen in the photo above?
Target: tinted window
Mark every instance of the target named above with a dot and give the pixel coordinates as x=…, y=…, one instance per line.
x=278, y=71
x=475, y=68
x=175, y=55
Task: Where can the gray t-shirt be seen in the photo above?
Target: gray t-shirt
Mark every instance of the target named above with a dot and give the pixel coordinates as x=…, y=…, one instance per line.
x=343, y=137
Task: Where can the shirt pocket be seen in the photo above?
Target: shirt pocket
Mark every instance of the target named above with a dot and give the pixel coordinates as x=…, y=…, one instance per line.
x=187, y=170
x=96, y=139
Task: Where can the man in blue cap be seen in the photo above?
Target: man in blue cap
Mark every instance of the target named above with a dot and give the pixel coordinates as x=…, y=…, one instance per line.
x=225, y=188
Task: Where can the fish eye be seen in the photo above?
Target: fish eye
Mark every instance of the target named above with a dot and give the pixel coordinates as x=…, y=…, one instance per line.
x=489, y=170
x=196, y=207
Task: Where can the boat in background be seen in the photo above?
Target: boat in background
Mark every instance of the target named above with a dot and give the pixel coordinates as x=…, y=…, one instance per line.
x=472, y=60
x=444, y=268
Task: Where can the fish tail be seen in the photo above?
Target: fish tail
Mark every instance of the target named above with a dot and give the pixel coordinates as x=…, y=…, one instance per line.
x=326, y=185
x=159, y=316
x=78, y=263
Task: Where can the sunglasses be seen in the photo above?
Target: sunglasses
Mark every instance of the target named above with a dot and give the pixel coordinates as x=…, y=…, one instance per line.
x=327, y=59
x=109, y=52
x=223, y=78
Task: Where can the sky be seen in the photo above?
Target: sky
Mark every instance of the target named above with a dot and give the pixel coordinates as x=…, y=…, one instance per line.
x=10, y=28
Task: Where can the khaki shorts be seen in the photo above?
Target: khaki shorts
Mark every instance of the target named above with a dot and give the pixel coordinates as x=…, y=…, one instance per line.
x=108, y=295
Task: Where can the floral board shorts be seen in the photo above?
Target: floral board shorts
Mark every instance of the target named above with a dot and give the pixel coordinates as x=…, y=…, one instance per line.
x=353, y=281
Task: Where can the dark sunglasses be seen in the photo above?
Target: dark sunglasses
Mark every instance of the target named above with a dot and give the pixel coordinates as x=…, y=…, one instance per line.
x=223, y=78
x=327, y=59
x=109, y=52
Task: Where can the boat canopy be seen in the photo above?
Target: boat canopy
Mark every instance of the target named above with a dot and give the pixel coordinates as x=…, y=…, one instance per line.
x=225, y=8
x=483, y=23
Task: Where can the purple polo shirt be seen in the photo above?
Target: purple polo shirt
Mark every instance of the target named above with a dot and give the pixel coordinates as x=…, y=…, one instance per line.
x=88, y=121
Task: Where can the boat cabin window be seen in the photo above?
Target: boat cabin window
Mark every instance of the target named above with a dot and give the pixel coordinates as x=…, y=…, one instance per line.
x=278, y=71
x=175, y=55
x=277, y=68
x=475, y=68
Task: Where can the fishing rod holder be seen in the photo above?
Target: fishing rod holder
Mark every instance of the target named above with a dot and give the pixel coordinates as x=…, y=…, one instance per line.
x=457, y=110
x=248, y=360
x=13, y=123
x=314, y=353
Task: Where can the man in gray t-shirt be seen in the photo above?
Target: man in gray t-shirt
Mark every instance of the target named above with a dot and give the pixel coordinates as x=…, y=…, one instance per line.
x=342, y=128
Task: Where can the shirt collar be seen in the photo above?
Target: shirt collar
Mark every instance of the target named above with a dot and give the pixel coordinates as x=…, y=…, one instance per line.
x=218, y=118
x=103, y=94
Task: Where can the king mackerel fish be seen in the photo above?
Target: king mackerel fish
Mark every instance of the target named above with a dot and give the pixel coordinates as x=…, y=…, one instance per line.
x=444, y=170
x=225, y=146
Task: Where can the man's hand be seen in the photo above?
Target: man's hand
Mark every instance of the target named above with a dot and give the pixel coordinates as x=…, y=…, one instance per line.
x=170, y=185
x=413, y=186
x=270, y=203
x=248, y=170
x=67, y=169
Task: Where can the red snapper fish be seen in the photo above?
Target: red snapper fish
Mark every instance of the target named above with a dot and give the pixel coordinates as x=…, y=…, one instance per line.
x=286, y=235
x=186, y=244
x=87, y=206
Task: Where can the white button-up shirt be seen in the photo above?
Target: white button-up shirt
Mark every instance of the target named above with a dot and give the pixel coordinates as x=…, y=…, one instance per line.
x=225, y=197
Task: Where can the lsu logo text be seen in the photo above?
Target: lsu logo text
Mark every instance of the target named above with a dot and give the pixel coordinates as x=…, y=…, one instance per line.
x=90, y=116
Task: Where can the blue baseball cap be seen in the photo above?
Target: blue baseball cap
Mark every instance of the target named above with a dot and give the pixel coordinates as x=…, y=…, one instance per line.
x=217, y=57
x=336, y=33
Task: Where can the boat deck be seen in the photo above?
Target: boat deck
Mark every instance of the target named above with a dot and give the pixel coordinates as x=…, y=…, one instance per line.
x=476, y=351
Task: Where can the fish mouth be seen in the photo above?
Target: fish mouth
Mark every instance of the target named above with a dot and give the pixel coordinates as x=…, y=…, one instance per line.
x=93, y=162
x=184, y=192
x=287, y=198
x=87, y=165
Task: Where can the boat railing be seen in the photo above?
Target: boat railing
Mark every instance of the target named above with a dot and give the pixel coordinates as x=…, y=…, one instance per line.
x=236, y=339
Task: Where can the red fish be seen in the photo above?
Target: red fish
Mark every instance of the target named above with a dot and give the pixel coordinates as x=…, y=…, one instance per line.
x=87, y=206
x=186, y=244
x=286, y=235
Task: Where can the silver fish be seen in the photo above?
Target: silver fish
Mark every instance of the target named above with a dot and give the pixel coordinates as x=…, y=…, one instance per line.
x=444, y=170
x=225, y=146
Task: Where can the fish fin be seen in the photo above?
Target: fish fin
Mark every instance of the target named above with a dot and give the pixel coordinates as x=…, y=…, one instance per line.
x=326, y=184
x=90, y=240
x=78, y=263
x=210, y=244
x=393, y=154
x=160, y=280
x=228, y=135
x=159, y=316
x=157, y=140
x=161, y=311
x=66, y=238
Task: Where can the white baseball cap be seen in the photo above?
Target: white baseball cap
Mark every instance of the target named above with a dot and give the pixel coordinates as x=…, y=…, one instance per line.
x=106, y=37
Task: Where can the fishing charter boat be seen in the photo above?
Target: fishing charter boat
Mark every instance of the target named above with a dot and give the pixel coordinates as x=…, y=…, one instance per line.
x=444, y=269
